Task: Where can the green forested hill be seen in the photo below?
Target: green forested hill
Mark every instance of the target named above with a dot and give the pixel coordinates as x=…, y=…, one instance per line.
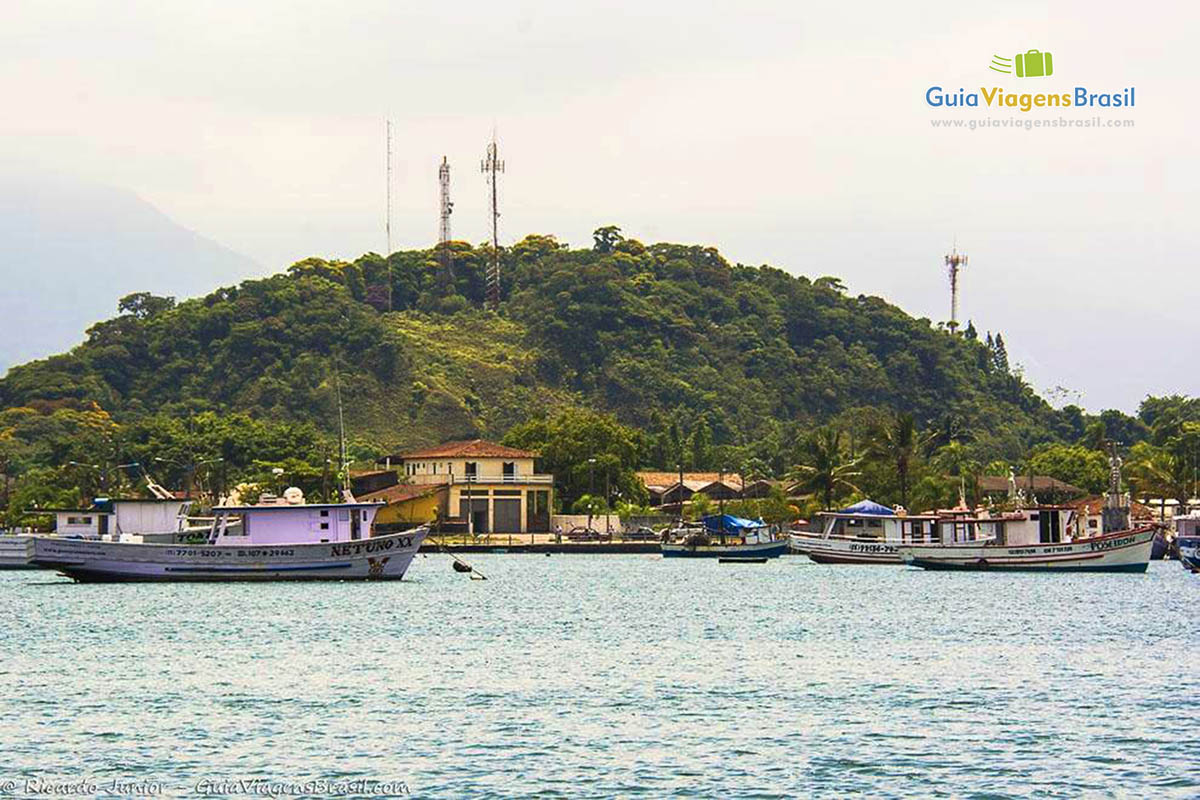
x=722, y=362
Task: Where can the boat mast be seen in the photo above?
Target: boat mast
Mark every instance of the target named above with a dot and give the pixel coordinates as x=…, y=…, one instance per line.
x=343, y=466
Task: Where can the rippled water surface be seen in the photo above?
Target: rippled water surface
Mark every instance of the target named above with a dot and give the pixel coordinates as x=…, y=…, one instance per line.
x=615, y=676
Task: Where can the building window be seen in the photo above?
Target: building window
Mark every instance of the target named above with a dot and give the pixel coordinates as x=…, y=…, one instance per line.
x=324, y=512
x=472, y=469
x=79, y=520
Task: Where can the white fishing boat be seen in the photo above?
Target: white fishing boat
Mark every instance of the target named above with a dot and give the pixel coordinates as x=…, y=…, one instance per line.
x=864, y=533
x=1122, y=551
x=1046, y=538
x=279, y=539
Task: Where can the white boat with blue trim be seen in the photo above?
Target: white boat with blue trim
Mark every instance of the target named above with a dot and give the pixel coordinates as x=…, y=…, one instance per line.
x=279, y=539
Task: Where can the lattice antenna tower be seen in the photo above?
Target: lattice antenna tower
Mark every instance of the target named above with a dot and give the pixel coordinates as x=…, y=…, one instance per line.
x=491, y=166
x=446, y=209
x=954, y=262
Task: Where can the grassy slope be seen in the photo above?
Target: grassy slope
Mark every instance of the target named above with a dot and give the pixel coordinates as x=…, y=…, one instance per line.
x=472, y=375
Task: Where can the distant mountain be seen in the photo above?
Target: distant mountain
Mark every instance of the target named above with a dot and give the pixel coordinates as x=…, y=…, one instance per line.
x=72, y=249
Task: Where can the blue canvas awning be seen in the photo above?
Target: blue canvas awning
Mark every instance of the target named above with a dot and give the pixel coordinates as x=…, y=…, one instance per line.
x=868, y=507
x=729, y=523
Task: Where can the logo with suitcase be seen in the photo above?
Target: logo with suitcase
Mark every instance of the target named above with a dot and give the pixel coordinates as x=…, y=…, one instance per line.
x=1030, y=64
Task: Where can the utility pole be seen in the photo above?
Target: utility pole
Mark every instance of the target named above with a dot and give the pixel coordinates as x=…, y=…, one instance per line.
x=492, y=166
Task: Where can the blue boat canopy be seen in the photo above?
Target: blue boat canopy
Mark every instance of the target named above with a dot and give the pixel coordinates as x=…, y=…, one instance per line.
x=868, y=507
x=731, y=524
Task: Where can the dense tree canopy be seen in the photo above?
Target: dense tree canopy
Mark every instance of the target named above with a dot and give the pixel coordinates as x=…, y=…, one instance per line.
x=688, y=359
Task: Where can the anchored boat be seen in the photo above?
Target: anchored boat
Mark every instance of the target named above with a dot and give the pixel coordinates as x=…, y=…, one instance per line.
x=864, y=533
x=1122, y=551
x=279, y=539
x=723, y=536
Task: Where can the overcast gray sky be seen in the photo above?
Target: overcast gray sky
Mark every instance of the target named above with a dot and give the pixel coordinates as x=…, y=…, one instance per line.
x=794, y=134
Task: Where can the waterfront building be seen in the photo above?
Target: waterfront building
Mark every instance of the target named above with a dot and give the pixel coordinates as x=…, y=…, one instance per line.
x=484, y=485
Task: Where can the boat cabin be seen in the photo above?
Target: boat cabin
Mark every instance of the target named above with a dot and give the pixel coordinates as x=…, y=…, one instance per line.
x=112, y=518
x=292, y=523
x=1043, y=524
x=1187, y=524
x=870, y=520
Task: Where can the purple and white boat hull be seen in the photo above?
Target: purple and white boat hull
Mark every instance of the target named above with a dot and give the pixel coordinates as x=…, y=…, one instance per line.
x=375, y=558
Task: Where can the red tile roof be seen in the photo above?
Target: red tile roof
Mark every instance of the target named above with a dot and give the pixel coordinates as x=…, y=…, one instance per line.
x=472, y=448
x=692, y=480
x=401, y=493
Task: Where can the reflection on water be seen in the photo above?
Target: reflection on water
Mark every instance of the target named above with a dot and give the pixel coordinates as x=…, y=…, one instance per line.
x=615, y=676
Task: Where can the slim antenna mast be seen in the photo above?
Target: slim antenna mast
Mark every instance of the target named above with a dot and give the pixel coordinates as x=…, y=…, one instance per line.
x=446, y=209
x=492, y=166
x=388, y=218
x=387, y=253
x=954, y=261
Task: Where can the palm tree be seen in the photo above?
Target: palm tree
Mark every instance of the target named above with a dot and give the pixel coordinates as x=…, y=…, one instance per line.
x=1158, y=472
x=828, y=470
x=897, y=444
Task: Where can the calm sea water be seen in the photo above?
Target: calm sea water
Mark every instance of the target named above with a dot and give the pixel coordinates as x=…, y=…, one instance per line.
x=614, y=676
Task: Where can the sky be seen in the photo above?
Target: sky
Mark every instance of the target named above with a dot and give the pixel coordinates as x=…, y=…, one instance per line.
x=792, y=134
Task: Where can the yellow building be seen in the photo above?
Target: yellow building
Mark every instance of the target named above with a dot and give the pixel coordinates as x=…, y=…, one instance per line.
x=407, y=505
x=496, y=485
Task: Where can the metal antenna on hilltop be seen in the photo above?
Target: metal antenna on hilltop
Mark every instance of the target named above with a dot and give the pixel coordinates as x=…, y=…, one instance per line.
x=492, y=166
x=388, y=218
x=447, y=207
x=387, y=224
x=954, y=261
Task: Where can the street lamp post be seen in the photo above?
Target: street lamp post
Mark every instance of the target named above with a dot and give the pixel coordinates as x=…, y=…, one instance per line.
x=591, y=490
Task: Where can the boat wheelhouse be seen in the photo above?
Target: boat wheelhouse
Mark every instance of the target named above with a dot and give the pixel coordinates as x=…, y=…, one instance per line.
x=1187, y=539
x=158, y=519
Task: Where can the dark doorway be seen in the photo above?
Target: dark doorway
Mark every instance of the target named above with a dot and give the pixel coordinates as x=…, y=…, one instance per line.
x=508, y=515
x=479, y=514
x=1048, y=527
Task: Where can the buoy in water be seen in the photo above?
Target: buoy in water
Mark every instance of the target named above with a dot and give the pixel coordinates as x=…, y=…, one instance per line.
x=461, y=567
